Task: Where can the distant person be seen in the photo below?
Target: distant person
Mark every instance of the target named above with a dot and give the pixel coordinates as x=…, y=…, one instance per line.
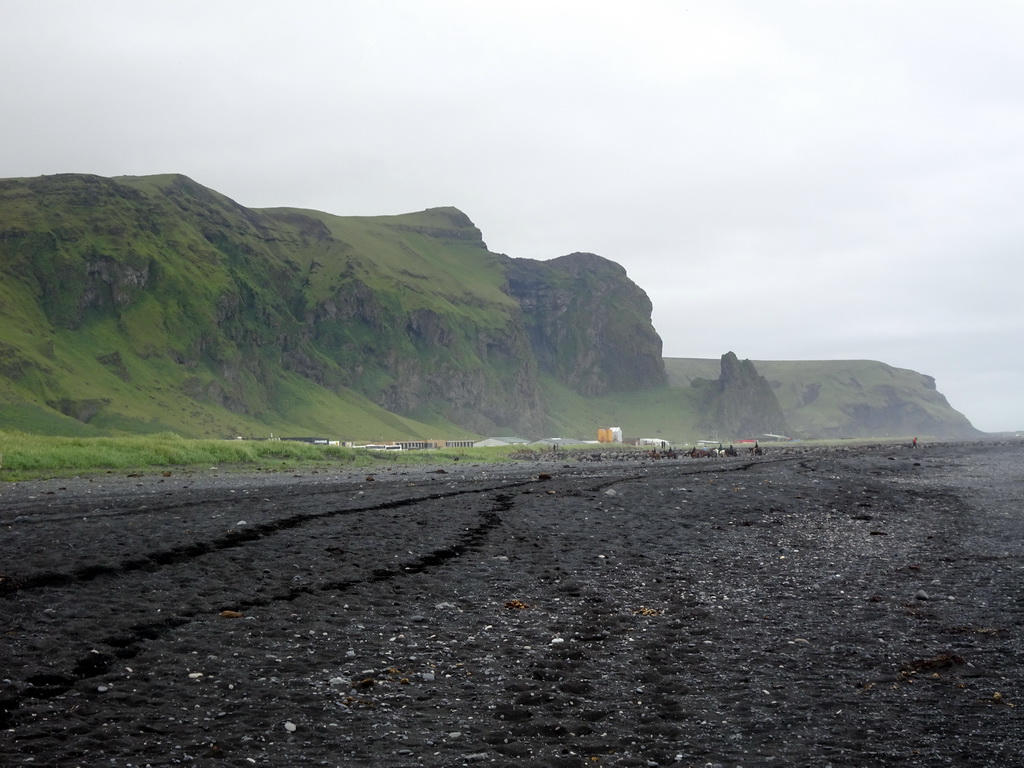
x=913, y=444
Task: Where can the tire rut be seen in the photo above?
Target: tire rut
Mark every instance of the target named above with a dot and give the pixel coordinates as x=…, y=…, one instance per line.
x=173, y=556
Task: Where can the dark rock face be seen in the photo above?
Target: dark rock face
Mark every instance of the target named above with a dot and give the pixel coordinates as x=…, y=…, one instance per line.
x=894, y=415
x=589, y=325
x=479, y=378
x=496, y=385
x=741, y=401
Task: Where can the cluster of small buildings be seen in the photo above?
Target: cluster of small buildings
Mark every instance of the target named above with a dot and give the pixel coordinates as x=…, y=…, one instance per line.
x=554, y=442
x=604, y=435
x=396, y=445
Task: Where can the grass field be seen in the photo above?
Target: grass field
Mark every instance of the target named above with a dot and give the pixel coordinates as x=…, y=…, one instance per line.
x=28, y=457
x=24, y=456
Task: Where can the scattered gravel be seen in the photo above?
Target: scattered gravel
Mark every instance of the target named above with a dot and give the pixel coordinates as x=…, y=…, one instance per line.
x=809, y=607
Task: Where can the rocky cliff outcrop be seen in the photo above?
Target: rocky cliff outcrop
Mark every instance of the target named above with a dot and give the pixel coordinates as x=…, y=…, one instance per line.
x=589, y=324
x=740, y=402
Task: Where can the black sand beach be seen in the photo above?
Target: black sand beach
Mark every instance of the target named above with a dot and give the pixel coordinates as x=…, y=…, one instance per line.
x=816, y=607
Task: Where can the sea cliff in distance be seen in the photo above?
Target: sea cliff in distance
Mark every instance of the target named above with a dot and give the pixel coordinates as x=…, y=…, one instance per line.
x=154, y=304
x=830, y=399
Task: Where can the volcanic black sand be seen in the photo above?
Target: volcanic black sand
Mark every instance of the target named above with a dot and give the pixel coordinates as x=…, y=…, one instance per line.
x=817, y=607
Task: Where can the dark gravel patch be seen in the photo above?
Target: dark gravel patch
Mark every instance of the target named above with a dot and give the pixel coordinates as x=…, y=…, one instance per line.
x=810, y=607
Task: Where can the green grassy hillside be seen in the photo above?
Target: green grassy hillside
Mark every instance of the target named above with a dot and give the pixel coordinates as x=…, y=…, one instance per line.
x=152, y=304
x=142, y=304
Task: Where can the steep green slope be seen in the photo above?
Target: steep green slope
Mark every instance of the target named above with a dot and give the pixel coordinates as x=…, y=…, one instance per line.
x=413, y=309
x=153, y=303
x=144, y=304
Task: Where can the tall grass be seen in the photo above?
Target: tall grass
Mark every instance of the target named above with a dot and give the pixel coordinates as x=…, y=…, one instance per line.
x=24, y=456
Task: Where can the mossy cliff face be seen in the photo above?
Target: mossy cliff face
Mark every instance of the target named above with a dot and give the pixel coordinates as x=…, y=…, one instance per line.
x=589, y=325
x=147, y=290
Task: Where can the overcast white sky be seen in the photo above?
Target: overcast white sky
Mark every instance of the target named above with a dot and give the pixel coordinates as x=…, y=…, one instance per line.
x=787, y=179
